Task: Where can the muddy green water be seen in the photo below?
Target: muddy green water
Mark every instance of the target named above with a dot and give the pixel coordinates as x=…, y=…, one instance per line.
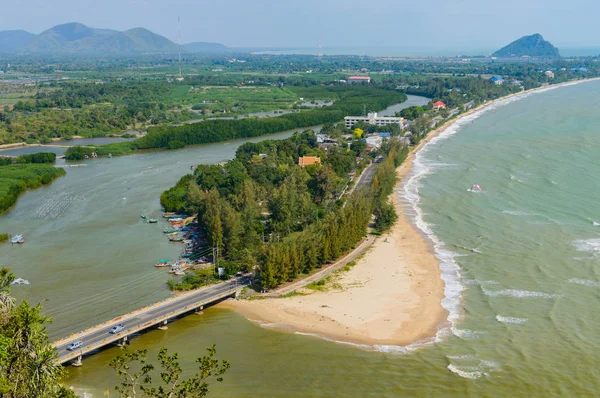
x=520, y=260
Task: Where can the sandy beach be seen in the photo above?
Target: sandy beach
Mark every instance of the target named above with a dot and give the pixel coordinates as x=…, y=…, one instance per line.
x=392, y=296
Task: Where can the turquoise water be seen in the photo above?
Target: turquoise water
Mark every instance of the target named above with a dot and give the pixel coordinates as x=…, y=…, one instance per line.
x=520, y=260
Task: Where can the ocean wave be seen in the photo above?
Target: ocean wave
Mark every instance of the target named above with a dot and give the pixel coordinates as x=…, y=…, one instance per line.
x=510, y=319
x=587, y=245
x=585, y=282
x=517, y=293
x=595, y=224
x=478, y=282
x=517, y=213
x=467, y=334
x=465, y=373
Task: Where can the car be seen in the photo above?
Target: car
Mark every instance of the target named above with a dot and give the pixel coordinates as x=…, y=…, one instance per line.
x=74, y=345
x=117, y=329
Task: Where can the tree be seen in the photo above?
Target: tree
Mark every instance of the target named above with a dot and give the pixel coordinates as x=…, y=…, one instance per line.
x=358, y=132
x=137, y=375
x=28, y=366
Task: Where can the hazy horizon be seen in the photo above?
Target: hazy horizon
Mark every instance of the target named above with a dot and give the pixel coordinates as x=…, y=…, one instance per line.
x=436, y=26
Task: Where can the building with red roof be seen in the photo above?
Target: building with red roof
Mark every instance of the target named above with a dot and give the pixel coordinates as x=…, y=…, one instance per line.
x=437, y=105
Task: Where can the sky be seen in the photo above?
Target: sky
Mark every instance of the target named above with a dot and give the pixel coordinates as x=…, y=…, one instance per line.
x=456, y=25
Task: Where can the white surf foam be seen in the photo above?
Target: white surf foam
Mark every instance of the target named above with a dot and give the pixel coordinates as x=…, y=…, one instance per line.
x=585, y=282
x=467, y=334
x=510, y=319
x=517, y=293
x=464, y=373
x=595, y=224
x=587, y=245
x=517, y=213
x=450, y=270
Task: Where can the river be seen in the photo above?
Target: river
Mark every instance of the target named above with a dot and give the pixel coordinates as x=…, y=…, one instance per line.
x=90, y=257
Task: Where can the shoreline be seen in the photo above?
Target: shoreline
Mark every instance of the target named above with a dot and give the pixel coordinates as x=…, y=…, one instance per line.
x=392, y=299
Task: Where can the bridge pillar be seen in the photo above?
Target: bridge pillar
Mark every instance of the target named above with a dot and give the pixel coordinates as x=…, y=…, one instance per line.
x=78, y=362
x=163, y=326
x=123, y=343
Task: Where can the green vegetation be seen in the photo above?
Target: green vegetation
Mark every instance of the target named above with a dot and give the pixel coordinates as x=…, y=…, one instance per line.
x=17, y=178
x=264, y=211
x=29, y=368
x=4, y=238
x=352, y=100
x=138, y=378
x=194, y=280
x=41, y=157
x=28, y=365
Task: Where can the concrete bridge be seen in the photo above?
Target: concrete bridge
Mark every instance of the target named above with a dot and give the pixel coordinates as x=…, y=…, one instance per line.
x=154, y=316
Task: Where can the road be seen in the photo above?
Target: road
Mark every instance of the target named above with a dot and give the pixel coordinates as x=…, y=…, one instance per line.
x=99, y=336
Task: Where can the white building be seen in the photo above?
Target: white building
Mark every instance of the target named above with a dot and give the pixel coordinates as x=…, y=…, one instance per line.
x=374, y=120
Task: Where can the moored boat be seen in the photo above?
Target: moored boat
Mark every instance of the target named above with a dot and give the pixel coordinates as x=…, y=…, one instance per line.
x=17, y=240
x=163, y=263
x=170, y=230
x=152, y=221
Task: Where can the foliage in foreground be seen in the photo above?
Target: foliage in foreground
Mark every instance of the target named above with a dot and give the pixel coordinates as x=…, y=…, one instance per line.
x=138, y=378
x=28, y=365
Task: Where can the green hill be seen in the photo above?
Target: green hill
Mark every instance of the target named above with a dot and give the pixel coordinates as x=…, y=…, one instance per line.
x=78, y=38
x=12, y=40
x=532, y=46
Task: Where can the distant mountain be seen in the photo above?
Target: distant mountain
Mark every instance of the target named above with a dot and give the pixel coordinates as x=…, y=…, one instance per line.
x=12, y=40
x=203, y=47
x=76, y=38
x=533, y=46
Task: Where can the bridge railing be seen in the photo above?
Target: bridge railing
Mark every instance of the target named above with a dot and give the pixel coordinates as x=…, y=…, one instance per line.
x=181, y=297
x=154, y=321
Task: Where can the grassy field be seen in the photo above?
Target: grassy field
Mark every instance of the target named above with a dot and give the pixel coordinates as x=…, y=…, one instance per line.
x=238, y=99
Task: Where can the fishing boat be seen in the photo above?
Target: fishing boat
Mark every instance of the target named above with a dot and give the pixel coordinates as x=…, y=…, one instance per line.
x=163, y=263
x=170, y=230
x=179, y=272
x=20, y=281
x=152, y=221
x=175, y=238
x=175, y=220
x=143, y=216
x=17, y=240
x=168, y=214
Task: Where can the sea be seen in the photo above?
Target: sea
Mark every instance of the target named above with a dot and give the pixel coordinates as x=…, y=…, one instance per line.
x=520, y=261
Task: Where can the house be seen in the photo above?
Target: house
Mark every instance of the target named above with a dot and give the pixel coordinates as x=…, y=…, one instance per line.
x=549, y=74
x=308, y=160
x=359, y=79
x=498, y=80
x=437, y=105
x=373, y=120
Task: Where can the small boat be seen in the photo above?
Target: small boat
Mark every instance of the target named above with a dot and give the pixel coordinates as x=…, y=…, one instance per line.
x=163, y=263
x=179, y=272
x=175, y=220
x=152, y=221
x=175, y=238
x=170, y=230
x=20, y=281
x=17, y=240
x=143, y=216
x=168, y=214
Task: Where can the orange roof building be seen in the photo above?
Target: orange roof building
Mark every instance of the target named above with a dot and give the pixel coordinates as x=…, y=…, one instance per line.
x=439, y=105
x=308, y=160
